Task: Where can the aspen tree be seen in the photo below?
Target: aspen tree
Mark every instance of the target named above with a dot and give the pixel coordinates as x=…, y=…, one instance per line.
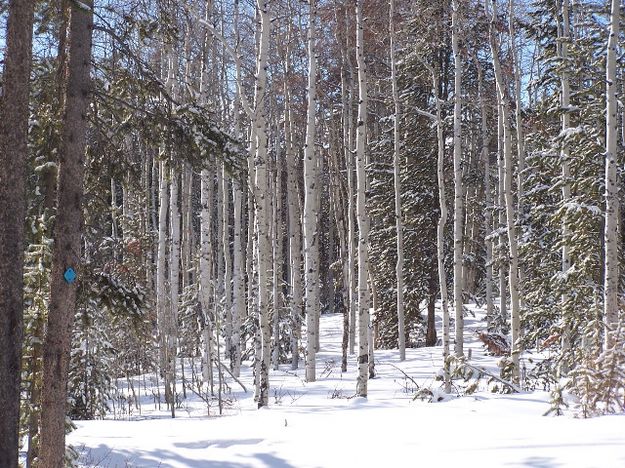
x=238, y=286
x=174, y=285
x=401, y=333
x=611, y=259
x=295, y=228
x=311, y=208
x=458, y=185
x=361, y=214
x=488, y=200
x=13, y=155
x=262, y=200
x=513, y=275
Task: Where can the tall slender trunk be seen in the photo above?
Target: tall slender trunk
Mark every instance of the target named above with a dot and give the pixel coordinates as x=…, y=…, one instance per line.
x=458, y=184
x=174, y=285
x=13, y=154
x=440, y=231
x=399, y=267
x=488, y=201
x=611, y=265
x=295, y=230
x=67, y=235
x=262, y=202
x=311, y=208
x=361, y=213
x=513, y=274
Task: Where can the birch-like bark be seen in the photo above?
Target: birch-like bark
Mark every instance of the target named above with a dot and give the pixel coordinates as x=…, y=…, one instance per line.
x=440, y=230
x=238, y=282
x=295, y=228
x=162, y=299
x=501, y=219
x=262, y=201
x=458, y=185
x=513, y=274
x=277, y=256
x=206, y=289
x=611, y=266
x=225, y=243
x=238, y=306
x=311, y=208
x=399, y=267
x=174, y=285
x=361, y=213
x=488, y=200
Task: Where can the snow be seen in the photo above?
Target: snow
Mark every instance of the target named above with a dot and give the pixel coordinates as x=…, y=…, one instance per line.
x=320, y=424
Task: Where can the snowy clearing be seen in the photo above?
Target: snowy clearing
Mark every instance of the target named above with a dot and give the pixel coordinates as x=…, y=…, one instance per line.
x=319, y=424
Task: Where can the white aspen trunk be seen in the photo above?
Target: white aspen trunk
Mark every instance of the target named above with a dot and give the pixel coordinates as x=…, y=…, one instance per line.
x=238, y=308
x=206, y=290
x=187, y=226
x=174, y=281
x=238, y=284
x=611, y=266
x=513, y=274
x=565, y=100
x=516, y=62
x=262, y=202
x=351, y=195
x=361, y=214
x=277, y=256
x=501, y=247
x=295, y=230
x=161, y=274
x=458, y=185
x=399, y=268
x=311, y=198
x=440, y=231
x=225, y=243
x=488, y=201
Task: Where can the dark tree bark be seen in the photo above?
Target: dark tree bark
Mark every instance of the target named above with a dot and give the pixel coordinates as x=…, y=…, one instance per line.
x=67, y=237
x=13, y=154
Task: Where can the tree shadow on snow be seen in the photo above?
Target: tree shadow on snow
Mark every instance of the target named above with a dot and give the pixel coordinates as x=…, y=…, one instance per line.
x=104, y=456
x=202, y=444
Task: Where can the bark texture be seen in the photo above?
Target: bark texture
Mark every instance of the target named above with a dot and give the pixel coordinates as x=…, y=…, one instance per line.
x=13, y=154
x=67, y=238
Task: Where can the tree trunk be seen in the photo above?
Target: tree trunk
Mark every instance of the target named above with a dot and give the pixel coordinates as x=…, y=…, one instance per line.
x=458, y=185
x=262, y=203
x=513, y=275
x=174, y=286
x=399, y=267
x=488, y=201
x=611, y=266
x=67, y=245
x=361, y=213
x=13, y=154
x=440, y=231
x=311, y=208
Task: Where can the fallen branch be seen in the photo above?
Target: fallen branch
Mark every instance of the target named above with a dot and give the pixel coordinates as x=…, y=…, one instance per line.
x=493, y=376
x=231, y=375
x=400, y=370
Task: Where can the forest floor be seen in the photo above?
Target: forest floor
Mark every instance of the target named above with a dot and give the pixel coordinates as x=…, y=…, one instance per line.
x=322, y=425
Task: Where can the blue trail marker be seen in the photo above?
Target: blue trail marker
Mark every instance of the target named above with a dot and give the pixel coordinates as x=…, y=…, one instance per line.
x=69, y=275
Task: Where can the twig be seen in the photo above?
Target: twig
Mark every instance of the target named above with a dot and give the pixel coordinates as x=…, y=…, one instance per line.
x=236, y=379
x=406, y=375
x=493, y=376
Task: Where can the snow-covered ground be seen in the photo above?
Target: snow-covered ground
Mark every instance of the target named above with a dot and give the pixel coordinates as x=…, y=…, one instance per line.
x=319, y=424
